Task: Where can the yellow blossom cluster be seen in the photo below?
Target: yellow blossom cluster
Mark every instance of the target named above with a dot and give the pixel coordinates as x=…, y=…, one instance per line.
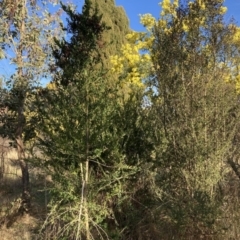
x=117, y=66
x=147, y=20
x=194, y=8
x=237, y=80
x=235, y=42
x=185, y=25
x=234, y=76
x=133, y=37
x=134, y=77
x=222, y=10
x=169, y=7
x=162, y=23
x=130, y=55
x=146, y=44
x=230, y=74
x=236, y=35
x=51, y=86
x=200, y=20
x=201, y=4
x=166, y=6
x=131, y=61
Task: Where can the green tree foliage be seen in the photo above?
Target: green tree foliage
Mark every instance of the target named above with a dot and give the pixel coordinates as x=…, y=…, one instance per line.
x=73, y=56
x=25, y=38
x=193, y=110
x=112, y=40
x=115, y=18
x=88, y=139
x=197, y=112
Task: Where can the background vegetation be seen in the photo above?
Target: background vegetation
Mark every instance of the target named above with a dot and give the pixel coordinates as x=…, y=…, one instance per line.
x=136, y=134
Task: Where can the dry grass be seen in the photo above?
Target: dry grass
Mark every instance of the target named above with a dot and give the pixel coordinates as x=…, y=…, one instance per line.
x=23, y=229
x=10, y=182
x=19, y=227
